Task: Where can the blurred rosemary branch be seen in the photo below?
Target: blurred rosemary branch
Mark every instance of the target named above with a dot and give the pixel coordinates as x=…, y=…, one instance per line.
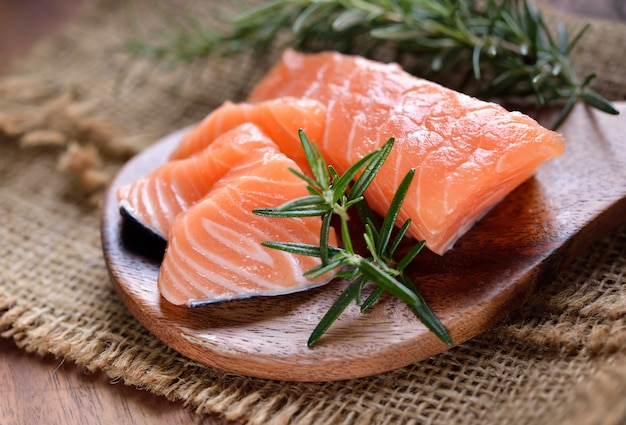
x=493, y=49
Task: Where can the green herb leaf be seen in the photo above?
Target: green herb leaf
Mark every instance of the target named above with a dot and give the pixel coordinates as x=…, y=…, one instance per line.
x=364, y=180
x=427, y=316
x=305, y=211
x=594, y=99
x=372, y=298
x=335, y=310
x=316, y=161
x=338, y=194
x=341, y=184
x=392, y=214
x=410, y=256
x=505, y=44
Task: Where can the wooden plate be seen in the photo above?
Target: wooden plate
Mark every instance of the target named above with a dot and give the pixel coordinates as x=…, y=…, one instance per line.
x=571, y=202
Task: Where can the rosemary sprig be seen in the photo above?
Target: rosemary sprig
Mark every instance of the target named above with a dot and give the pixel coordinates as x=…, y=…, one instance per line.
x=493, y=49
x=333, y=195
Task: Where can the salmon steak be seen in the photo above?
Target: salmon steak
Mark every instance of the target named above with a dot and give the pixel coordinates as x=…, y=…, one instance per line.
x=468, y=154
x=214, y=252
x=156, y=199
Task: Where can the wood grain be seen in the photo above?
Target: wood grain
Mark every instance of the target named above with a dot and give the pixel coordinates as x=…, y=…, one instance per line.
x=571, y=202
x=47, y=390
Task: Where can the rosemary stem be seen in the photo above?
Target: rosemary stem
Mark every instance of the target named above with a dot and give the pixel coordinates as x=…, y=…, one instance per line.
x=334, y=195
x=505, y=44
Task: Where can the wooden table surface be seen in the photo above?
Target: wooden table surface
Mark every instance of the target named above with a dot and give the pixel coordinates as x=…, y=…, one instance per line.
x=47, y=390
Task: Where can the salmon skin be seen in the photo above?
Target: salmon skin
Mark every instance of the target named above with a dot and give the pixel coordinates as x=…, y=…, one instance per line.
x=214, y=252
x=468, y=154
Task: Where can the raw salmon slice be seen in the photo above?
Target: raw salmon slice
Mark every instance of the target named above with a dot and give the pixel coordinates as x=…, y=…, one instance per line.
x=279, y=118
x=157, y=198
x=468, y=154
x=214, y=252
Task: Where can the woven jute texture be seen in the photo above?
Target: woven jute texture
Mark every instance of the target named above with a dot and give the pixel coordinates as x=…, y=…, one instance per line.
x=76, y=107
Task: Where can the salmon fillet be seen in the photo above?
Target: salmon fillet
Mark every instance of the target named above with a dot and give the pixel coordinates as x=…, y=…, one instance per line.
x=214, y=252
x=156, y=199
x=279, y=118
x=468, y=154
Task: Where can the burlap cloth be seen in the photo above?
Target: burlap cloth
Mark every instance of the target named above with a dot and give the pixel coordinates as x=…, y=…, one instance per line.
x=75, y=108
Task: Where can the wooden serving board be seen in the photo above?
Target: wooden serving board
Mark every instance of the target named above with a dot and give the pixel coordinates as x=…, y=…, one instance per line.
x=549, y=220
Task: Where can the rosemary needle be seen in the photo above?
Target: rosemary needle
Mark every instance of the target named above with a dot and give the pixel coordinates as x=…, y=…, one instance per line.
x=493, y=49
x=333, y=195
